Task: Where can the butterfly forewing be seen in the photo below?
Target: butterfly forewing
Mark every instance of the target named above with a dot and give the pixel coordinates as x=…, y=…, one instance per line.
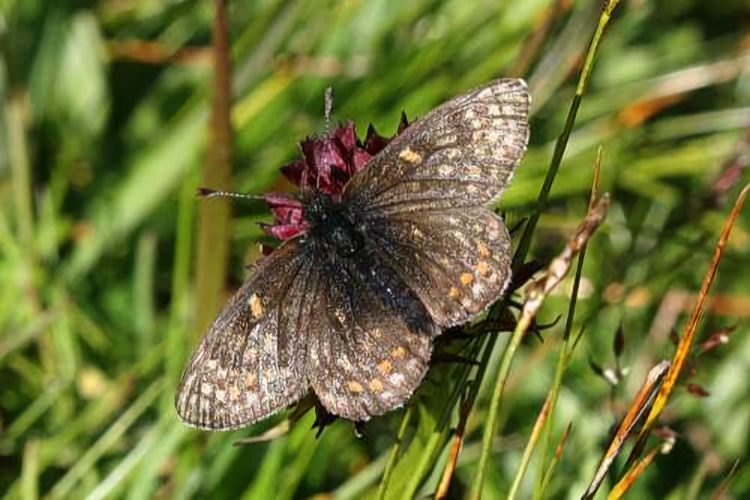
x=462, y=153
x=252, y=361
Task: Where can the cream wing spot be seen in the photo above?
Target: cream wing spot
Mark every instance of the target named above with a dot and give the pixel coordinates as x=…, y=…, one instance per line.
x=446, y=170
x=375, y=385
x=483, y=269
x=409, y=155
x=385, y=367
x=398, y=353
x=450, y=154
x=484, y=250
x=250, y=380
x=446, y=140
x=256, y=306
x=466, y=279
x=234, y=392
x=397, y=379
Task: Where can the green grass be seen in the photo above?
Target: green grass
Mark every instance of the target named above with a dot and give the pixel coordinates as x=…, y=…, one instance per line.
x=101, y=152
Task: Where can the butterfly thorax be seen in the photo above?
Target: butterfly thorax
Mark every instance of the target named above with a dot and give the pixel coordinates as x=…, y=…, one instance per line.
x=332, y=225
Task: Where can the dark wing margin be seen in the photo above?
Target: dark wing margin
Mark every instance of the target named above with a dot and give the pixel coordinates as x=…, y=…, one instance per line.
x=252, y=362
x=372, y=342
x=463, y=153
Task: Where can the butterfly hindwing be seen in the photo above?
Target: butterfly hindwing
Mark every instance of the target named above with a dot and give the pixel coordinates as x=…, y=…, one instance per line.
x=372, y=339
x=252, y=362
x=456, y=261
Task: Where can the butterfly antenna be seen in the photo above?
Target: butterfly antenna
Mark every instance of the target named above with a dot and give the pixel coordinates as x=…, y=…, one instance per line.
x=210, y=193
x=303, y=180
x=328, y=103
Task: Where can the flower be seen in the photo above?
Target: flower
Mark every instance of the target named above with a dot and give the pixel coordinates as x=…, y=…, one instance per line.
x=327, y=164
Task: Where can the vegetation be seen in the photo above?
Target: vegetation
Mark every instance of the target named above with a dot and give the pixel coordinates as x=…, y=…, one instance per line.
x=112, y=117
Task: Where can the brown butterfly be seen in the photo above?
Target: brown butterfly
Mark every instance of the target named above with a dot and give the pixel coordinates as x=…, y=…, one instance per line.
x=389, y=243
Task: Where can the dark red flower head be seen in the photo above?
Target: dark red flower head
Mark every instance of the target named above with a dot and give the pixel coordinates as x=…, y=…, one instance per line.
x=327, y=164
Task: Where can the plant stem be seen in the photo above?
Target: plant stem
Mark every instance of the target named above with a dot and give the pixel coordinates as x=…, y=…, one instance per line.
x=213, y=237
x=525, y=243
x=390, y=464
x=562, y=141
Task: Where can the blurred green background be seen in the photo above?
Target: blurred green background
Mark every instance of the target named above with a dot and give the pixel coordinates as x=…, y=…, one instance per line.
x=103, y=138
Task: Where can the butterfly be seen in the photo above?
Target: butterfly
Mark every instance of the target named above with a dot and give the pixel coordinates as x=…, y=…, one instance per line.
x=390, y=243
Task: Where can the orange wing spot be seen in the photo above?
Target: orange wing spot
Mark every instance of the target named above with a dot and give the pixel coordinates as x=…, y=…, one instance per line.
x=385, y=367
x=466, y=279
x=484, y=252
x=250, y=380
x=355, y=386
x=376, y=385
x=256, y=306
x=482, y=268
x=454, y=293
x=398, y=353
x=407, y=154
x=474, y=170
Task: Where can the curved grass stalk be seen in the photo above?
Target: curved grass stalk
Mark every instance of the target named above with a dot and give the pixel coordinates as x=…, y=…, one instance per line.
x=525, y=244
